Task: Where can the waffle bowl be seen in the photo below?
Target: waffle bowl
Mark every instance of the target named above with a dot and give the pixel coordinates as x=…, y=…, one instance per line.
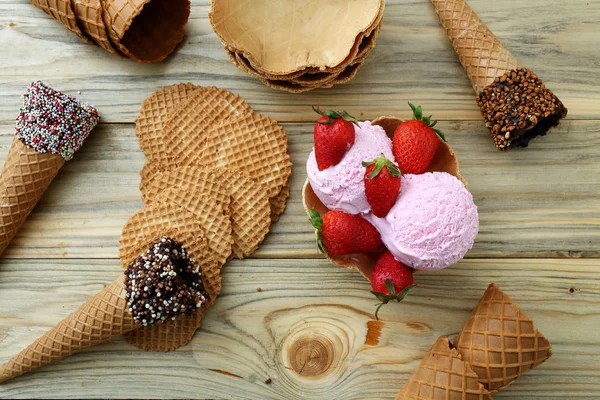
x=305, y=63
x=444, y=161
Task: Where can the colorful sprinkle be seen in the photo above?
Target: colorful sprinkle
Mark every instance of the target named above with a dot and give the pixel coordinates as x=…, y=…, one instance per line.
x=164, y=282
x=53, y=122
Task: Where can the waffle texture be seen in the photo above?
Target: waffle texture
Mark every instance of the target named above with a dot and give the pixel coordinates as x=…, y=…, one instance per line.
x=62, y=11
x=153, y=116
x=105, y=315
x=500, y=342
x=187, y=128
x=480, y=52
x=89, y=19
x=442, y=374
x=25, y=177
x=279, y=202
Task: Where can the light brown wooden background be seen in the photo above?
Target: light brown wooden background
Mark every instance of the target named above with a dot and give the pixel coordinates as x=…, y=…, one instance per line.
x=539, y=209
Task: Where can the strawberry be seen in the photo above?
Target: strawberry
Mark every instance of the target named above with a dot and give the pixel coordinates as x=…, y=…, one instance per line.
x=382, y=185
x=334, y=136
x=390, y=280
x=415, y=142
x=340, y=233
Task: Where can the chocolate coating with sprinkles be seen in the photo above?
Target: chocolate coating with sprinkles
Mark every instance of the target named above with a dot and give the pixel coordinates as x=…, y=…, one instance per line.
x=53, y=122
x=164, y=282
x=518, y=107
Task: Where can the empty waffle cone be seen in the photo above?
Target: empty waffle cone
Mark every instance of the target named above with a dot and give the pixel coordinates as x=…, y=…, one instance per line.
x=62, y=11
x=146, y=30
x=444, y=161
x=105, y=315
x=515, y=103
x=90, y=21
x=500, y=342
x=443, y=375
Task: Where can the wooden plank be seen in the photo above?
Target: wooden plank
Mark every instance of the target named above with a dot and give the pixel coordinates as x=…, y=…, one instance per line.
x=248, y=336
x=412, y=61
x=539, y=202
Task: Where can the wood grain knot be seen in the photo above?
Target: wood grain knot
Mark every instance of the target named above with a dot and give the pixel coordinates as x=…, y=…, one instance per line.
x=311, y=354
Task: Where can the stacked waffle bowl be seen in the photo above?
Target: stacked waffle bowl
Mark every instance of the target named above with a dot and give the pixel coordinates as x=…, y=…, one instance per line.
x=497, y=345
x=144, y=30
x=296, y=46
x=216, y=178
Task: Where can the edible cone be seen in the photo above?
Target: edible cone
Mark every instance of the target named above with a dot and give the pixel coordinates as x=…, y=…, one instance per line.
x=105, y=315
x=62, y=11
x=443, y=375
x=444, y=161
x=89, y=19
x=500, y=342
x=25, y=177
x=515, y=103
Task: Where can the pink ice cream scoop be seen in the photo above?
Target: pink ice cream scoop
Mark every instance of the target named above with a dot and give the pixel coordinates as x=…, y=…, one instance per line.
x=341, y=186
x=433, y=223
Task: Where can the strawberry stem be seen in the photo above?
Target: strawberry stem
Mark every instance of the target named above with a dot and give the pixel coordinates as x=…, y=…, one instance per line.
x=333, y=115
x=317, y=223
x=381, y=162
x=386, y=298
x=418, y=115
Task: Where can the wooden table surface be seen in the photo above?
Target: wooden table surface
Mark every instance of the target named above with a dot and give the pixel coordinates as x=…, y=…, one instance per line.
x=539, y=208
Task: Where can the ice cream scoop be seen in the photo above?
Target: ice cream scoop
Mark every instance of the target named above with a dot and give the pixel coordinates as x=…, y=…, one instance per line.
x=341, y=186
x=433, y=223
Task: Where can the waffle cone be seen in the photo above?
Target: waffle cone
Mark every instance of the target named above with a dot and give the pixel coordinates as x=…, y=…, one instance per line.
x=25, y=177
x=146, y=30
x=443, y=375
x=444, y=161
x=62, y=11
x=480, y=52
x=296, y=35
x=500, y=342
x=105, y=315
x=89, y=19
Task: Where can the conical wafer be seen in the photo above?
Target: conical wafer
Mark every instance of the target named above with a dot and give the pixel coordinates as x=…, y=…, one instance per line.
x=146, y=30
x=189, y=125
x=213, y=216
x=296, y=35
x=515, y=103
x=173, y=333
x=89, y=18
x=500, y=342
x=25, y=177
x=105, y=315
x=444, y=161
x=151, y=223
x=62, y=11
x=154, y=114
x=254, y=144
x=250, y=211
x=442, y=374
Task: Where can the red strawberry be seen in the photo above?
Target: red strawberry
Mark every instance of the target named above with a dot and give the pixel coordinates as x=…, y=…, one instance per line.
x=340, y=233
x=390, y=280
x=334, y=136
x=382, y=185
x=415, y=142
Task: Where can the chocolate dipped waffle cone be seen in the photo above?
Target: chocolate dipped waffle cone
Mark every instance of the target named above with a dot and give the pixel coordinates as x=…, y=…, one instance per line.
x=444, y=161
x=500, y=342
x=44, y=139
x=443, y=375
x=104, y=316
x=515, y=103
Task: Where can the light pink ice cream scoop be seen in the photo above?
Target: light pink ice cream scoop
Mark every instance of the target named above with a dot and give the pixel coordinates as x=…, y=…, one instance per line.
x=433, y=223
x=341, y=186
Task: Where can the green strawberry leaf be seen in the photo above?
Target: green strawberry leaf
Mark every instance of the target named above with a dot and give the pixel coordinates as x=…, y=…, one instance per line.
x=334, y=115
x=381, y=162
x=418, y=115
x=390, y=287
x=317, y=223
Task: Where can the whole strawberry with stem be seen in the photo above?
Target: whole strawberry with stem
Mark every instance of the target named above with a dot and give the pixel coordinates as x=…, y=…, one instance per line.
x=382, y=185
x=415, y=142
x=390, y=280
x=340, y=233
x=334, y=135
